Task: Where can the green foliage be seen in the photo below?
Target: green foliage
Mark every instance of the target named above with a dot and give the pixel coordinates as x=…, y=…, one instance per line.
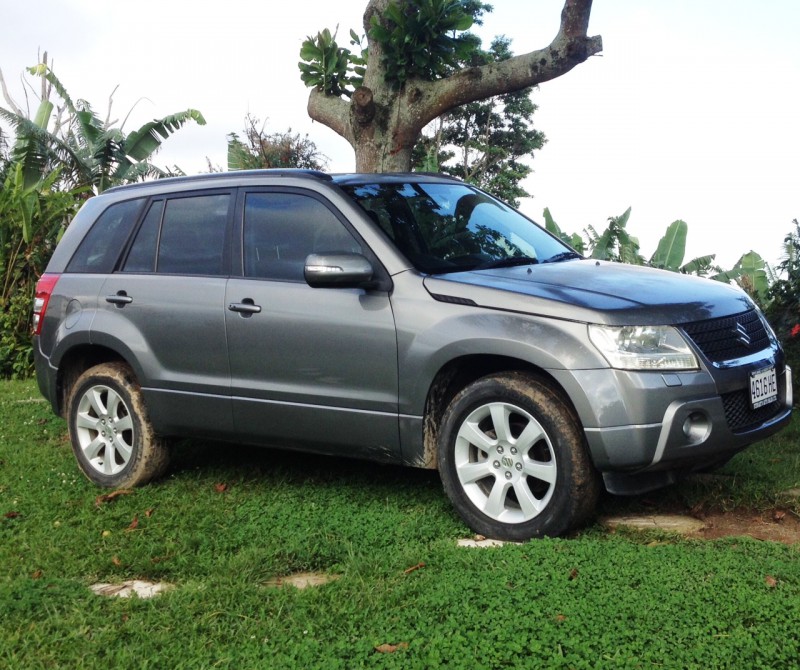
x=672, y=247
x=486, y=143
x=261, y=150
x=58, y=158
x=418, y=39
x=702, y=266
x=615, y=243
x=326, y=66
x=750, y=272
x=229, y=518
x=783, y=310
x=574, y=240
x=32, y=219
x=87, y=150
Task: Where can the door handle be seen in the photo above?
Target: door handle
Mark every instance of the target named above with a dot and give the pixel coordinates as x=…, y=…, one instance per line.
x=120, y=299
x=245, y=308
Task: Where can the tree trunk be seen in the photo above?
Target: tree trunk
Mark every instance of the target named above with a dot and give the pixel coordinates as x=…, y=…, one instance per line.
x=383, y=125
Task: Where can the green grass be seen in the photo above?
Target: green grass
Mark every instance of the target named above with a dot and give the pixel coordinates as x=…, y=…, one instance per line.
x=592, y=601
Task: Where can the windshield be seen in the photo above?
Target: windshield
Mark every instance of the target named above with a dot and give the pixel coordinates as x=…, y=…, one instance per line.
x=454, y=227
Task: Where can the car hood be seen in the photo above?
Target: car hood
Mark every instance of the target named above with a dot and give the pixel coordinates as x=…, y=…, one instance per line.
x=594, y=291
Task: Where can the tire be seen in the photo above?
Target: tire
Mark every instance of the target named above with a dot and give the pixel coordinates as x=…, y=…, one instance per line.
x=111, y=435
x=513, y=459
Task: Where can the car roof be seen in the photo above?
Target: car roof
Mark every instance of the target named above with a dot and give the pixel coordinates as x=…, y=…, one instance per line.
x=343, y=179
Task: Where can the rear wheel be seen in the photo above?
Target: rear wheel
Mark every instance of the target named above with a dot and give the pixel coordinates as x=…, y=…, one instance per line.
x=513, y=460
x=111, y=435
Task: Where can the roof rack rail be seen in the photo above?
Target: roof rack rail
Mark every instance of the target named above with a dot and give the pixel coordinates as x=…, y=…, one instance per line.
x=213, y=176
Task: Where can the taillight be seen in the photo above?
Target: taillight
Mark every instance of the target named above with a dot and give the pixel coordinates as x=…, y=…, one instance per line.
x=44, y=289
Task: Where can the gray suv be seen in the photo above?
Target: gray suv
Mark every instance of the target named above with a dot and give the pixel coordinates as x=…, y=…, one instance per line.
x=403, y=318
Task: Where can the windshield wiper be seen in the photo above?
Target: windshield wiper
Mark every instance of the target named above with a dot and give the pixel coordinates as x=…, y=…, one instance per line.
x=507, y=262
x=563, y=256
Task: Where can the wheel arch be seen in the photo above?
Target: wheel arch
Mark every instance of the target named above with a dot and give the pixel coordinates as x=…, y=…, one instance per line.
x=458, y=373
x=75, y=362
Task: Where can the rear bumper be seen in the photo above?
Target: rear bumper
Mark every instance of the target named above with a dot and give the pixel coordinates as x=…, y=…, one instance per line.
x=46, y=377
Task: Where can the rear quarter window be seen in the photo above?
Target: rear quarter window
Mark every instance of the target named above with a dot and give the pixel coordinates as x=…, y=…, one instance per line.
x=100, y=249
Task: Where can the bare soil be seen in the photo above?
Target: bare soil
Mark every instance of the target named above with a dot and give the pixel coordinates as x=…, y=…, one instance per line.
x=776, y=525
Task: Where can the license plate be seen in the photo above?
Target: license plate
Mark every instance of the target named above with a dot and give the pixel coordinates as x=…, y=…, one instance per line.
x=763, y=387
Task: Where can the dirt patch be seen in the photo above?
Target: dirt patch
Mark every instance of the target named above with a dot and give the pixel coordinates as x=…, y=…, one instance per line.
x=774, y=525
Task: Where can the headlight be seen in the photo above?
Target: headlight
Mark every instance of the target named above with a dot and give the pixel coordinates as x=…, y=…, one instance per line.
x=643, y=347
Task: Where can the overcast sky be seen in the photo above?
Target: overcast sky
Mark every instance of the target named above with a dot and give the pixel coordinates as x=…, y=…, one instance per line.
x=691, y=111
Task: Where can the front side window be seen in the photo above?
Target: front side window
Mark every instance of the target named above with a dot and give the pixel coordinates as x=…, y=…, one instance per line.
x=282, y=229
x=453, y=227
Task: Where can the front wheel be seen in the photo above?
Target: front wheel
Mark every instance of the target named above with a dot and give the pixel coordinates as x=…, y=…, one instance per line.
x=111, y=435
x=513, y=459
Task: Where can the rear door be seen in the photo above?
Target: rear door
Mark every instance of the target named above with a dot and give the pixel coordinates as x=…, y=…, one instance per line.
x=310, y=368
x=165, y=306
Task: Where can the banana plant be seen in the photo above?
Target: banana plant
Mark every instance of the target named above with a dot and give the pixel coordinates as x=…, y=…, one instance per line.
x=671, y=248
x=615, y=243
x=87, y=150
x=574, y=240
x=750, y=272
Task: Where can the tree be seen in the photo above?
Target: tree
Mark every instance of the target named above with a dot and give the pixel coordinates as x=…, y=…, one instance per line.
x=90, y=153
x=783, y=311
x=485, y=142
x=260, y=149
x=380, y=99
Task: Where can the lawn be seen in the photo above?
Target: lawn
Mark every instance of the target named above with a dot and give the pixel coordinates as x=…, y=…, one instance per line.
x=227, y=520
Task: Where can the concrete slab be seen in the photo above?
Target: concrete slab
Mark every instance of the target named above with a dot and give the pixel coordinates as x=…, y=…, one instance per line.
x=127, y=589
x=673, y=523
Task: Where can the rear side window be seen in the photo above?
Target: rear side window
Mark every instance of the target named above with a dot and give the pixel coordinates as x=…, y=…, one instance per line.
x=182, y=236
x=142, y=256
x=100, y=248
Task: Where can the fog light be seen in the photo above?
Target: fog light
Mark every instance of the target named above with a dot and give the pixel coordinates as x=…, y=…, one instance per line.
x=696, y=427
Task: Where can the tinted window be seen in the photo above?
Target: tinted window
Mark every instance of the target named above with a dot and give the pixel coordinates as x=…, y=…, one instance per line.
x=192, y=239
x=282, y=229
x=142, y=256
x=99, y=250
x=453, y=227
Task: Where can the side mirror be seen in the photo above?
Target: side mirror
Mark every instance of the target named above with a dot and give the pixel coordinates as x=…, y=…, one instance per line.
x=337, y=270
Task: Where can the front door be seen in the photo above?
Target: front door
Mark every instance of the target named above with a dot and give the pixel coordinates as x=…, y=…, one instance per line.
x=310, y=368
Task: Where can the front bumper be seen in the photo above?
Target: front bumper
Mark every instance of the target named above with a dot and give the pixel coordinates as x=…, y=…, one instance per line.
x=645, y=429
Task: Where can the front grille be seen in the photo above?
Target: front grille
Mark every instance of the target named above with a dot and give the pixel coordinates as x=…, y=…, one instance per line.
x=741, y=417
x=729, y=337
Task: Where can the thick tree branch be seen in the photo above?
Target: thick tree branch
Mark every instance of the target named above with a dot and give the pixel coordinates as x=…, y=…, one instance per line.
x=331, y=111
x=569, y=48
x=575, y=18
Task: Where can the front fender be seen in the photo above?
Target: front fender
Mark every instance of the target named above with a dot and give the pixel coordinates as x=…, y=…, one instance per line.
x=432, y=333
